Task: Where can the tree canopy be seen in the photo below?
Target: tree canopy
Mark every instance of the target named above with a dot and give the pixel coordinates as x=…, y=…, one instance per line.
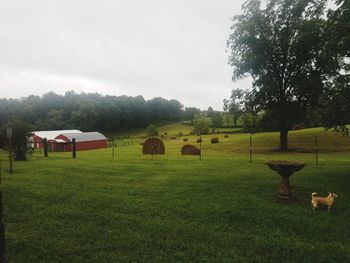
x=234, y=104
x=21, y=132
x=336, y=98
x=279, y=46
x=89, y=112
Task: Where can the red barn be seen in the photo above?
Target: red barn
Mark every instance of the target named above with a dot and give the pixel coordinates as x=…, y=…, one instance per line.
x=39, y=136
x=84, y=141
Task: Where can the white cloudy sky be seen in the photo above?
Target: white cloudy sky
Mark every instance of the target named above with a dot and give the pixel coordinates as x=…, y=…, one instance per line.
x=168, y=48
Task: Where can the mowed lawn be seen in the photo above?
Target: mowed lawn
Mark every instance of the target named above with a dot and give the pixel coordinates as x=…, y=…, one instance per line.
x=177, y=208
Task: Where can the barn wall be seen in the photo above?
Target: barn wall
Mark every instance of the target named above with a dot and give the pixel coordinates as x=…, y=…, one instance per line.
x=61, y=147
x=37, y=142
x=81, y=146
x=62, y=137
x=90, y=145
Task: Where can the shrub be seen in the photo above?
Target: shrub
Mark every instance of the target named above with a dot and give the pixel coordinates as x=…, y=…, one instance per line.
x=152, y=131
x=185, y=139
x=250, y=122
x=201, y=124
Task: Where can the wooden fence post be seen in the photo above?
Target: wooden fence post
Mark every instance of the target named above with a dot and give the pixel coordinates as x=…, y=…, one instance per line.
x=316, y=149
x=200, y=147
x=45, y=147
x=74, y=148
x=2, y=227
x=250, y=150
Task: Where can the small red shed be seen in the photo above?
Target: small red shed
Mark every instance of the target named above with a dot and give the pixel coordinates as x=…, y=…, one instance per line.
x=84, y=141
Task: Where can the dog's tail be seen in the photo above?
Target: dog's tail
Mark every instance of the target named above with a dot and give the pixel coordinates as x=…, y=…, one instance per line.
x=313, y=194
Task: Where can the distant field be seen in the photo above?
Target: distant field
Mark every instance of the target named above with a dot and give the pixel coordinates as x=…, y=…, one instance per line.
x=172, y=129
x=177, y=208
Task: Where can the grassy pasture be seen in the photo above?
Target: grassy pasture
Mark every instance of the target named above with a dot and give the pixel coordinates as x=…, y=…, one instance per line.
x=176, y=208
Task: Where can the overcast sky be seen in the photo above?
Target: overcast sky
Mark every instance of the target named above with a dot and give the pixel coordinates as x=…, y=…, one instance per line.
x=167, y=48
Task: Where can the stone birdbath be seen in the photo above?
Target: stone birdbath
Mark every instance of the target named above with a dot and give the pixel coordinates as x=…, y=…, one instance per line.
x=285, y=169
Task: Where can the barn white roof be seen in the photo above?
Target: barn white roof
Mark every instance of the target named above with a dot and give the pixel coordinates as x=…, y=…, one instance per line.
x=85, y=136
x=51, y=135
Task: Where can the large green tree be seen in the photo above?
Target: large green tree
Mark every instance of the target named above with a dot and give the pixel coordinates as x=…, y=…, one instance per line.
x=234, y=104
x=279, y=47
x=336, y=98
x=201, y=124
x=190, y=112
x=21, y=132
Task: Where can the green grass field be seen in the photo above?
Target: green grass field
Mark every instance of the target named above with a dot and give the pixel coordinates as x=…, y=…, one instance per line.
x=177, y=208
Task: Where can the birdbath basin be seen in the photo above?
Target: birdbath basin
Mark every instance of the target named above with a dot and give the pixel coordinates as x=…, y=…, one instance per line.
x=285, y=169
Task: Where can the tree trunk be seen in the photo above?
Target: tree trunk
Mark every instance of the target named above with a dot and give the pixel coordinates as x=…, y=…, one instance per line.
x=284, y=140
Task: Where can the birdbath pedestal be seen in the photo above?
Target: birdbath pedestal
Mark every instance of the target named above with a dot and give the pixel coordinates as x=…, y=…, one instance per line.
x=285, y=169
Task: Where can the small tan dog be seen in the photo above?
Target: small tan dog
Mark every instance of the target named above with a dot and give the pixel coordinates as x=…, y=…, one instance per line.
x=328, y=201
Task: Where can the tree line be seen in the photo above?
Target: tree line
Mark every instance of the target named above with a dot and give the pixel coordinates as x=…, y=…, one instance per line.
x=92, y=112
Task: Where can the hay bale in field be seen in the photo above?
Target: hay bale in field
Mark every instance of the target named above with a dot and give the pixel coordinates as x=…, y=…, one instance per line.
x=214, y=140
x=189, y=149
x=199, y=140
x=226, y=136
x=153, y=145
x=185, y=139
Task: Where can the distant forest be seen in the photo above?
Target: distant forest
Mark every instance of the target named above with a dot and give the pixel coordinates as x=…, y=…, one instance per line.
x=91, y=112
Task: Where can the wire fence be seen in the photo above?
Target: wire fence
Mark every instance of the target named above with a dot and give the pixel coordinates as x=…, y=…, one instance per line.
x=252, y=148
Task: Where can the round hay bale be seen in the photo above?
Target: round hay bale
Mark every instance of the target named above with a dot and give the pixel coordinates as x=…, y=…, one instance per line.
x=226, y=136
x=153, y=145
x=189, y=149
x=185, y=139
x=214, y=140
x=199, y=140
